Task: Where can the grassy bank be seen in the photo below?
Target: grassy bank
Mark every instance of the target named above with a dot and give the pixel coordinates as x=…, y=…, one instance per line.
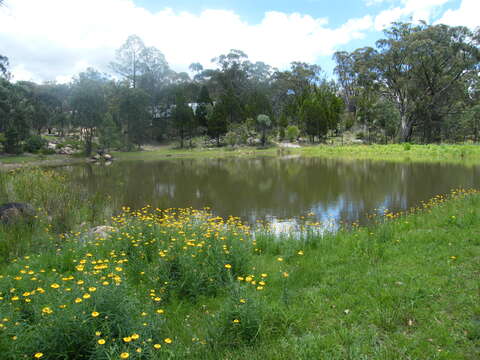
x=468, y=154
x=31, y=160
x=186, y=284
x=392, y=152
x=60, y=205
x=398, y=152
x=170, y=152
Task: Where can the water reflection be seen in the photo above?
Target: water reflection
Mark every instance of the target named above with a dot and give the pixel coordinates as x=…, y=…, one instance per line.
x=275, y=188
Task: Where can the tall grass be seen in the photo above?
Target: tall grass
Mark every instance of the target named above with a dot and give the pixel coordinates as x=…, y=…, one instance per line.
x=60, y=207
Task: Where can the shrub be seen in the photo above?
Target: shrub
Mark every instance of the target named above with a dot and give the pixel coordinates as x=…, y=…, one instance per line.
x=231, y=138
x=407, y=146
x=292, y=132
x=34, y=144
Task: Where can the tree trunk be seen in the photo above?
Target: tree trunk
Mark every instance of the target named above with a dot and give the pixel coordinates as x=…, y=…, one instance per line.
x=406, y=128
x=88, y=141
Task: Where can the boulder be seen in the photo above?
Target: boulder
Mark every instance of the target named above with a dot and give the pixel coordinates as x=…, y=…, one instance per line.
x=51, y=146
x=14, y=212
x=67, y=150
x=101, y=231
x=107, y=157
x=96, y=157
x=95, y=233
x=252, y=141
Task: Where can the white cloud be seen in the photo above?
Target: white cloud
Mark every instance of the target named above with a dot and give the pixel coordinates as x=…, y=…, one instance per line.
x=414, y=9
x=467, y=15
x=54, y=39
x=376, y=2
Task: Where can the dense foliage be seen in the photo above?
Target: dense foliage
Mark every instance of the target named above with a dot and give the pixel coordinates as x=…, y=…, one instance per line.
x=419, y=84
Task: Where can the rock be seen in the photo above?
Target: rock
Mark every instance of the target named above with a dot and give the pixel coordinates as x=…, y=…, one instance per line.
x=67, y=150
x=13, y=212
x=96, y=233
x=108, y=163
x=107, y=157
x=357, y=141
x=102, y=231
x=251, y=141
x=96, y=157
x=51, y=146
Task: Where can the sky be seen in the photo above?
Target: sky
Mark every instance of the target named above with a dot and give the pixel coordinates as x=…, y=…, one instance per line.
x=53, y=40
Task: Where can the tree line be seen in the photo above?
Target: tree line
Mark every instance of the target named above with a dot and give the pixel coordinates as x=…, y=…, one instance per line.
x=420, y=83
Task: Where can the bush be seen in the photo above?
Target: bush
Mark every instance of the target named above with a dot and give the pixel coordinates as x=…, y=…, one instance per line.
x=407, y=146
x=34, y=144
x=12, y=142
x=292, y=132
x=231, y=138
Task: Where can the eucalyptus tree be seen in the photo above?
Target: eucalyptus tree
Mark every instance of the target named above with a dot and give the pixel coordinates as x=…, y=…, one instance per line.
x=89, y=104
x=203, y=101
x=228, y=83
x=290, y=88
x=217, y=124
x=16, y=114
x=135, y=116
x=347, y=78
x=4, y=67
x=195, y=68
x=128, y=59
x=138, y=63
x=320, y=111
x=183, y=118
x=421, y=69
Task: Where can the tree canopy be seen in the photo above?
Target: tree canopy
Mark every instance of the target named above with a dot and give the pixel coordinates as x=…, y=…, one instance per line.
x=420, y=83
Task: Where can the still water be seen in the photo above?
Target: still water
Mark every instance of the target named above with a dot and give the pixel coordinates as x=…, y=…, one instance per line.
x=275, y=189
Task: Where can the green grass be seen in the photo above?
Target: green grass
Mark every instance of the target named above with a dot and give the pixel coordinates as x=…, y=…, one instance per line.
x=31, y=160
x=461, y=153
x=164, y=152
x=464, y=153
x=61, y=206
x=405, y=288
x=398, y=152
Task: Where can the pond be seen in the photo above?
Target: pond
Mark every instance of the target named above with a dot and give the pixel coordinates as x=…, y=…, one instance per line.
x=330, y=191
